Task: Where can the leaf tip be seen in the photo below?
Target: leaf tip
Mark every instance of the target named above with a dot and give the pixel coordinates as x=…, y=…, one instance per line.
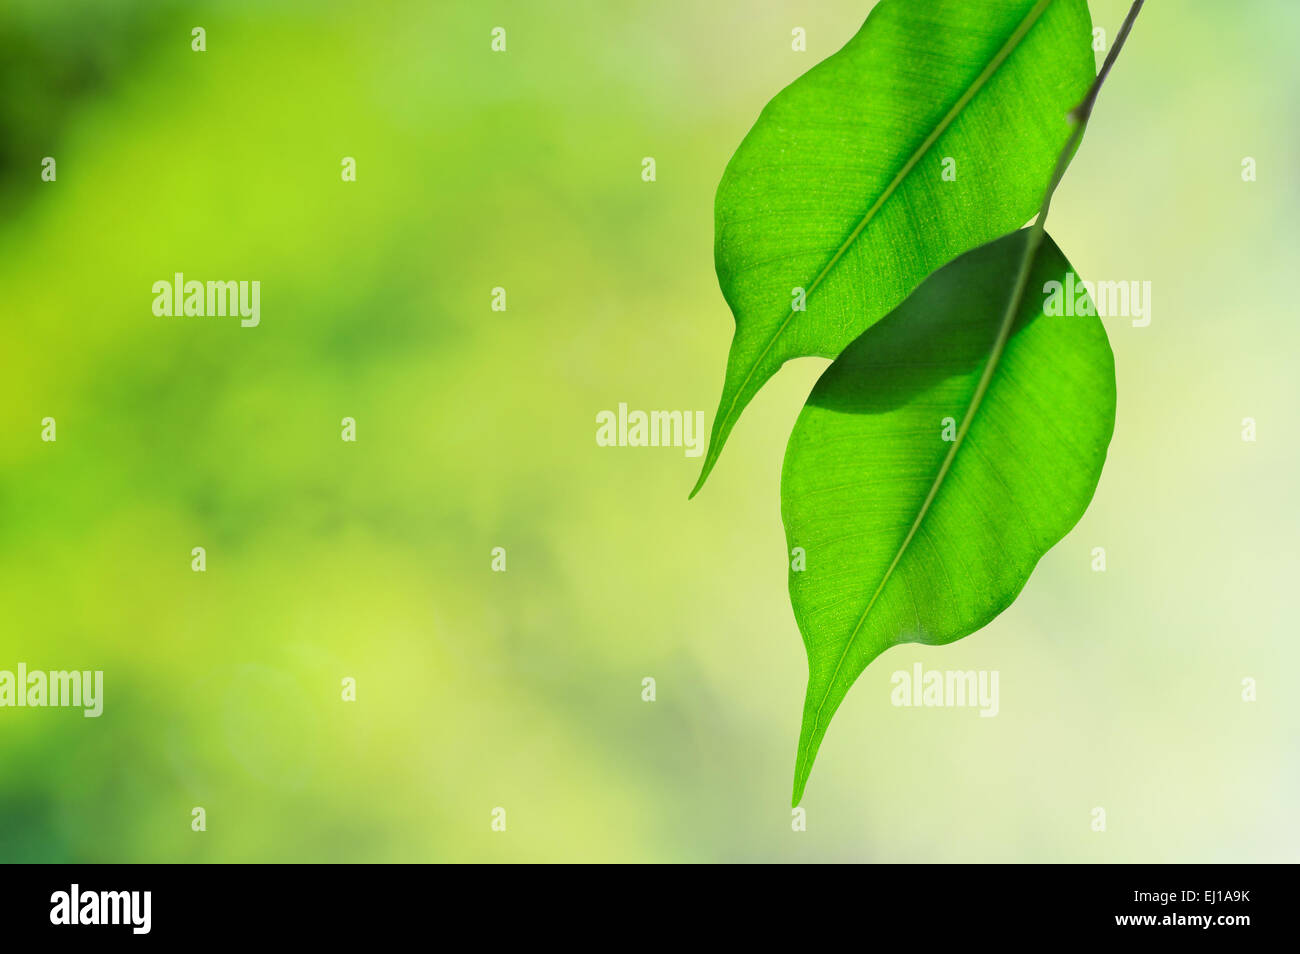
x=811, y=733
x=709, y=459
x=800, y=782
x=802, y=769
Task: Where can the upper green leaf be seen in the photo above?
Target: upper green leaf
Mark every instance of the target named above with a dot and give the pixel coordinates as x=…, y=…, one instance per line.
x=839, y=188
x=936, y=460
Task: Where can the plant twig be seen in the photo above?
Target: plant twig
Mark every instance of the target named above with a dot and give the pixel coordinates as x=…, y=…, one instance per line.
x=1079, y=117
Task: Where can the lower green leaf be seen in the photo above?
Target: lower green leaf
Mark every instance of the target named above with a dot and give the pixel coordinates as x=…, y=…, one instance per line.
x=923, y=498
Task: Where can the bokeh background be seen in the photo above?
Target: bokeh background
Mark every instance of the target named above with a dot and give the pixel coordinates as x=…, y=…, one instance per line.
x=476, y=429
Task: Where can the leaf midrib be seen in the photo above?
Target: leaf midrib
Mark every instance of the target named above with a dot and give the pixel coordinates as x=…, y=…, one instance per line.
x=963, y=101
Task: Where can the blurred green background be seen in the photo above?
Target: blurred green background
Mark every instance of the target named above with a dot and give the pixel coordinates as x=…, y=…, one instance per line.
x=476, y=429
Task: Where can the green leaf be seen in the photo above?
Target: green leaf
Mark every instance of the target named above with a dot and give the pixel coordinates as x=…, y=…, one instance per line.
x=936, y=460
x=838, y=189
